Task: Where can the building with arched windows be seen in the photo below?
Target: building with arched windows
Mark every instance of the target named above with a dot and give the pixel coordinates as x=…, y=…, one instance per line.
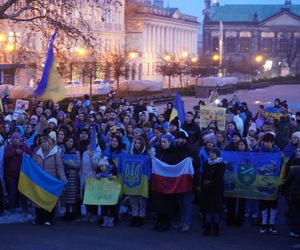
x=245, y=32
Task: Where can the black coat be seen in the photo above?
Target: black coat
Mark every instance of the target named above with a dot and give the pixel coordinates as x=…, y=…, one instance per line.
x=212, y=187
x=193, y=131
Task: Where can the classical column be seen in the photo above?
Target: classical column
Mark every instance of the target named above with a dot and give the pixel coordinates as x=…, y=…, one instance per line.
x=158, y=39
x=162, y=40
x=145, y=39
x=153, y=39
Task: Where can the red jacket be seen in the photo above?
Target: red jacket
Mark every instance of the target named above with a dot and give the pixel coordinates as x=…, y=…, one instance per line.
x=13, y=161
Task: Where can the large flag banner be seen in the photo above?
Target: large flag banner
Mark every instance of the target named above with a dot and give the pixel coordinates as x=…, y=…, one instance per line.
x=178, y=110
x=38, y=186
x=172, y=179
x=251, y=175
x=273, y=112
x=134, y=172
x=210, y=113
x=51, y=85
x=101, y=192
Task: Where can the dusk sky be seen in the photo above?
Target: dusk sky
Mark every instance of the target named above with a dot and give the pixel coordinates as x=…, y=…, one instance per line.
x=195, y=7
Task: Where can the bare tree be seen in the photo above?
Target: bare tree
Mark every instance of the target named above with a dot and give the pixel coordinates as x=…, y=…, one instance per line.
x=65, y=15
x=116, y=61
x=167, y=68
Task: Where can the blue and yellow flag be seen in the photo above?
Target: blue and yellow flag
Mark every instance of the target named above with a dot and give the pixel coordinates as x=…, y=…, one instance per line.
x=178, y=110
x=51, y=86
x=38, y=186
x=134, y=173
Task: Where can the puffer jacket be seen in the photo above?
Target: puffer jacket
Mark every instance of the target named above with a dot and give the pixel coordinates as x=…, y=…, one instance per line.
x=52, y=163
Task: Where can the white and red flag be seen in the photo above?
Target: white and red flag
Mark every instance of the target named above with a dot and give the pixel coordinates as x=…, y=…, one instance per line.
x=172, y=179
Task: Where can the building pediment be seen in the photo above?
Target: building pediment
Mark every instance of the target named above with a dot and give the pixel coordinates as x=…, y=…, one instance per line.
x=177, y=14
x=283, y=19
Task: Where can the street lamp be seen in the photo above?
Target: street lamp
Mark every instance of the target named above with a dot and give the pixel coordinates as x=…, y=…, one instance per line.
x=185, y=54
x=10, y=47
x=81, y=51
x=216, y=57
x=259, y=58
x=132, y=55
x=2, y=38
x=167, y=57
x=194, y=59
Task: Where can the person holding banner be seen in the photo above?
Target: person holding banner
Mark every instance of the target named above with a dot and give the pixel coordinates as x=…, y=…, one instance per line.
x=90, y=159
x=138, y=203
x=236, y=218
x=212, y=191
x=48, y=158
x=268, y=209
x=164, y=202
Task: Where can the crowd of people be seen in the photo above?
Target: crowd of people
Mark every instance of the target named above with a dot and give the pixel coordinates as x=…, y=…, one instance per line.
x=48, y=133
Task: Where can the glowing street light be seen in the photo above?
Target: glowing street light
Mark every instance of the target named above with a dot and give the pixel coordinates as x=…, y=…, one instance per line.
x=194, y=59
x=259, y=58
x=167, y=57
x=132, y=55
x=10, y=47
x=2, y=38
x=81, y=51
x=184, y=54
x=216, y=57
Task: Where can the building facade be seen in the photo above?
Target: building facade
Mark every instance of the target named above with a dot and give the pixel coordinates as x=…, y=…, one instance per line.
x=23, y=48
x=153, y=31
x=243, y=32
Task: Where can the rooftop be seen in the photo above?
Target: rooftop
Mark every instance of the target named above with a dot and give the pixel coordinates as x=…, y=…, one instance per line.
x=245, y=13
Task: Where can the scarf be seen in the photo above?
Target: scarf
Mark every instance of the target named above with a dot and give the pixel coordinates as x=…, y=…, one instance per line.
x=215, y=161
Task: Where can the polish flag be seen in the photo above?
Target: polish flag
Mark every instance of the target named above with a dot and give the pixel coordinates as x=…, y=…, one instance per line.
x=172, y=179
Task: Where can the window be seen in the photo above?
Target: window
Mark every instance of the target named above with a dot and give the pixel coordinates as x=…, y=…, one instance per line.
x=245, y=44
x=215, y=44
x=267, y=45
x=230, y=44
x=284, y=44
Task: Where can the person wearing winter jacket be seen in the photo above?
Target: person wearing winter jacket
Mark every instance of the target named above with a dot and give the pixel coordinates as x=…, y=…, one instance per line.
x=90, y=160
x=48, y=157
x=212, y=191
x=294, y=143
x=72, y=164
x=12, y=167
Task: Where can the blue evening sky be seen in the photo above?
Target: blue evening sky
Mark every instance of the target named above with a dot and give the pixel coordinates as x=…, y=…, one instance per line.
x=195, y=7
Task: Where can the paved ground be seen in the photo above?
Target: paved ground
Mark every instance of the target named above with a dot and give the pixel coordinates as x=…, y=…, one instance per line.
x=265, y=96
x=82, y=235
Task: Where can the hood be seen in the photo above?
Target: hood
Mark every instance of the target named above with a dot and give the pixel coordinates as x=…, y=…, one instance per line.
x=53, y=151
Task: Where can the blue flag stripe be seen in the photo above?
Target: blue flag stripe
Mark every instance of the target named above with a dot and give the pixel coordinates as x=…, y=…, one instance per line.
x=42, y=179
x=180, y=108
x=47, y=68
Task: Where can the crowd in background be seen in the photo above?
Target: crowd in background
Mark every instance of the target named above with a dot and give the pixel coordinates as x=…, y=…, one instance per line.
x=50, y=132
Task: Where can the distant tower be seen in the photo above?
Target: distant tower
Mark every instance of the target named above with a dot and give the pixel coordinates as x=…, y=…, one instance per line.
x=159, y=3
x=207, y=6
x=288, y=2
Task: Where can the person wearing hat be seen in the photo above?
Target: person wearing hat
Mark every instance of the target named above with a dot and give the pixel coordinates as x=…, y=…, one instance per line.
x=52, y=124
x=12, y=167
x=233, y=144
x=42, y=125
x=290, y=149
x=210, y=141
x=185, y=149
x=212, y=191
x=61, y=116
x=163, y=203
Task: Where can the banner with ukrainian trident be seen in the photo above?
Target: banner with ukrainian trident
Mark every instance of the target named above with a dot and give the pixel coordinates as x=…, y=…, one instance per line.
x=101, y=192
x=252, y=175
x=134, y=173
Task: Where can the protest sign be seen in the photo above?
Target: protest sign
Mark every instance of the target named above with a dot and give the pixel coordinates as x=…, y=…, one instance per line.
x=273, y=112
x=210, y=113
x=251, y=175
x=21, y=107
x=101, y=192
x=134, y=172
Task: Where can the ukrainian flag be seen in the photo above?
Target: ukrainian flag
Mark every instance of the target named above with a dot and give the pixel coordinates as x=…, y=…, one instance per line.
x=51, y=86
x=134, y=173
x=178, y=110
x=38, y=186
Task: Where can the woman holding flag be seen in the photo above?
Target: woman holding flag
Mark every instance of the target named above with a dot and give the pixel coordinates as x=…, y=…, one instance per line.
x=48, y=158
